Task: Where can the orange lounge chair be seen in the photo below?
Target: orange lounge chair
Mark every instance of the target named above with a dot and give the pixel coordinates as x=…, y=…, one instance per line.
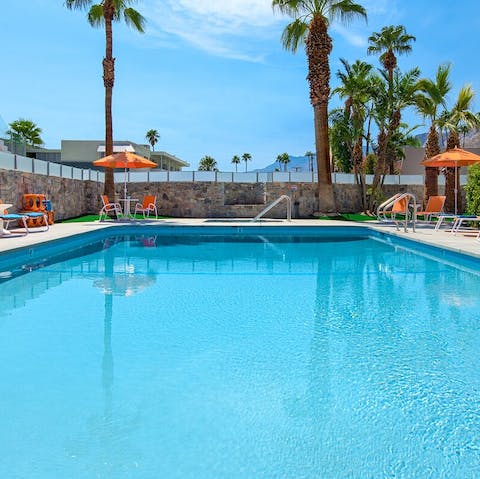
x=434, y=207
x=147, y=206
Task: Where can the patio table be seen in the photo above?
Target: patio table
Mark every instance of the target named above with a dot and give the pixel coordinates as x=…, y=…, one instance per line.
x=126, y=206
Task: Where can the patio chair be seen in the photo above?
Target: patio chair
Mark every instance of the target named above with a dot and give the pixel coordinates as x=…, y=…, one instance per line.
x=7, y=218
x=434, y=207
x=147, y=206
x=398, y=208
x=109, y=208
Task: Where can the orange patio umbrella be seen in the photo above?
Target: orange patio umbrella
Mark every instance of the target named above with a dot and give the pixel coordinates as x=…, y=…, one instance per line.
x=453, y=158
x=126, y=160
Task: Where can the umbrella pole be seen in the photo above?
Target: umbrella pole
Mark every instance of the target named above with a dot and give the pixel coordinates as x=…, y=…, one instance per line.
x=455, y=189
x=125, y=185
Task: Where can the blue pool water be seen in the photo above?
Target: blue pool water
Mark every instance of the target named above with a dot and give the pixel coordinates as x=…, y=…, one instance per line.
x=250, y=357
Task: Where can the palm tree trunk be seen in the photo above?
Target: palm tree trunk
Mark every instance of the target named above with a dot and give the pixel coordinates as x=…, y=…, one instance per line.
x=318, y=48
x=452, y=176
x=431, y=174
x=108, y=81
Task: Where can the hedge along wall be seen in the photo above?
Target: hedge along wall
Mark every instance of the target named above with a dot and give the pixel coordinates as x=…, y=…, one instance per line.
x=69, y=197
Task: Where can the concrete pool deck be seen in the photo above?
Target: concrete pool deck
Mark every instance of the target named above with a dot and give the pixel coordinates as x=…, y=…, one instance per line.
x=460, y=243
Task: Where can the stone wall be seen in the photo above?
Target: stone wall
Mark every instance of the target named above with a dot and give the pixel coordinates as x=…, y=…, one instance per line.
x=72, y=198
x=246, y=200
x=69, y=197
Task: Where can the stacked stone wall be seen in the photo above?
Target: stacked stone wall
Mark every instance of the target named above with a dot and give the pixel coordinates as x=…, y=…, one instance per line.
x=72, y=198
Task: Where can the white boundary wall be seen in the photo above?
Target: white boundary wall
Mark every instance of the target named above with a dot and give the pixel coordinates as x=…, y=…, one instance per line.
x=9, y=161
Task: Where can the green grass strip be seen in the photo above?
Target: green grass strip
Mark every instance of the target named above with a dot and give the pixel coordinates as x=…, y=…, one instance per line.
x=348, y=217
x=89, y=218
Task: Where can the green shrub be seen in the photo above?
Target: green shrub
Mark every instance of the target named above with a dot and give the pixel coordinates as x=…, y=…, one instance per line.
x=473, y=190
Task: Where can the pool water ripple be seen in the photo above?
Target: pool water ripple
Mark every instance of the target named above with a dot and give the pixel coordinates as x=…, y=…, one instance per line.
x=263, y=358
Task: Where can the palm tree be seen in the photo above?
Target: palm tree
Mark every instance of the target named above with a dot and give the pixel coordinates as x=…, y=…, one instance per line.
x=103, y=14
x=461, y=114
x=356, y=88
x=285, y=159
x=246, y=157
x=388, y=116
x=207, y=163
x=309, y=154
x=432, y=97
x=25, y=131
x=311, y=19
x=236, y=161
x=390, y=41
x=152, y=137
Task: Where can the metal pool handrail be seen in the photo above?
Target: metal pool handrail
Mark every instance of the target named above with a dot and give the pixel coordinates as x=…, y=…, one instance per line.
x=383, y=208
x=275, y=203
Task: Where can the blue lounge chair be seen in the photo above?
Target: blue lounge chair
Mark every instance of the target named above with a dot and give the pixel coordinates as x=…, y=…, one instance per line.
x=7, y=218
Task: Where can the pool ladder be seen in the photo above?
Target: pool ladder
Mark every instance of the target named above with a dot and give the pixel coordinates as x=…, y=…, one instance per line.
x=386, y=207
x=275, y=203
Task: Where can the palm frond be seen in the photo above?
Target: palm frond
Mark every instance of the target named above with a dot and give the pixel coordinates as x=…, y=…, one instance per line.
x=287, y=7
x=134, y=19
x=95, y=15
x=346, y=11
x=294, y=35
x=77, y=4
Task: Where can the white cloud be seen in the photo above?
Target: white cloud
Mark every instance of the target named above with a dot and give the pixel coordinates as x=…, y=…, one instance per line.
x=228, y=28
x=353, y=38
x=238, y=28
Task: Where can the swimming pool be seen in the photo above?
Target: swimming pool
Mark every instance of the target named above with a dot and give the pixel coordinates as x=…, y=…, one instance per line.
x=178, y=355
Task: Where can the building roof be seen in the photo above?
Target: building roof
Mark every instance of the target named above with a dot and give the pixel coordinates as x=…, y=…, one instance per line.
x=157, y=156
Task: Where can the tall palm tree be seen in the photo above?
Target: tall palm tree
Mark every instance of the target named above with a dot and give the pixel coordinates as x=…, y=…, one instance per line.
x=311, y=19
x=433, y=96
x=283, y=158
x=152, y=137
x=246, y=157
x=236, y=161
x=103, y=14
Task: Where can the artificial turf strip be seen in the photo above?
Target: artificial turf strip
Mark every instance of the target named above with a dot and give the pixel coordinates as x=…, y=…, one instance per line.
x=88, y=218
x=349, y=217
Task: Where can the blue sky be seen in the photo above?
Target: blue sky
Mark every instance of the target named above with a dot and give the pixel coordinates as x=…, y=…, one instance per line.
x=209, y=75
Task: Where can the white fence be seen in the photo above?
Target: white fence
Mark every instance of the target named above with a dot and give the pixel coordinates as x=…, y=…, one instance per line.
x=153, y=176
x=39, y=167
x=30, y=165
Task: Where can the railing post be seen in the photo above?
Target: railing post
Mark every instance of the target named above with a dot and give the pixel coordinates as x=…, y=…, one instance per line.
x=15, y=161
x=61, y=170
x=193, y=176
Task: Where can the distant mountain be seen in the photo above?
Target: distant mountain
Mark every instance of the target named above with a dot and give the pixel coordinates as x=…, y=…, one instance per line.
x=472, y=139
x=297, y=163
